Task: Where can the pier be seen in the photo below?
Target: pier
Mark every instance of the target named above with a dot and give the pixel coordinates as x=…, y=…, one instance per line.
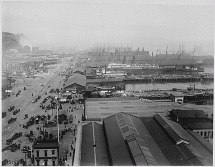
x=169, y=79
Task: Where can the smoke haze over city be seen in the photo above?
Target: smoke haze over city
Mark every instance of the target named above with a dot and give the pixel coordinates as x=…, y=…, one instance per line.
x=91, y=24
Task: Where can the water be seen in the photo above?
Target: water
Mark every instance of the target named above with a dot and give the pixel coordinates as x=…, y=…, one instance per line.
x=168, y=86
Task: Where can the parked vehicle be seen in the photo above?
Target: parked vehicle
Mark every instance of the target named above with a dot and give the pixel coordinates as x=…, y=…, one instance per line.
x=4, y=114
x=11, y=120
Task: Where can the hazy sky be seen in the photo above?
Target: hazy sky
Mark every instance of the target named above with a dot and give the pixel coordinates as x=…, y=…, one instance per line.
x=126, y=23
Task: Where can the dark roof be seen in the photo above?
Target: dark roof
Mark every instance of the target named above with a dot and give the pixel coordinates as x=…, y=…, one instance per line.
x=76, y=78
x=130, y=143
x=188, y=113
x=199, y=125
x=201, y=140
x=90, y=132
x=90, y=81
x=182, y=153
x=87, y=152
x=80, y=69
x=117, y=148
x=48, y=143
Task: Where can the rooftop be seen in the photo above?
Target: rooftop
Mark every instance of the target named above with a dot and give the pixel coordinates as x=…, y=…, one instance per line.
x=76, y=78
x=194, y=153
x=104, y=107
x=188, y=113
x=92, y=133
x=48, y=143
x=123, y=128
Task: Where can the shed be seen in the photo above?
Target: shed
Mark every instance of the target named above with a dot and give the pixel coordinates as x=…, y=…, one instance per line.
x=177, y=97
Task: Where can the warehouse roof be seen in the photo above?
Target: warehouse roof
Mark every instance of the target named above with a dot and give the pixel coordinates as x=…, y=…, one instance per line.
x=76, y=78
x=126, y=133
x=80, y=69
x=104, y=107
x=182, y=153
x=92, y=133
x=188, y=113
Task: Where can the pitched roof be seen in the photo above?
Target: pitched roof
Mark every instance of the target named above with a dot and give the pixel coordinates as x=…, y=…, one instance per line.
x=180, y=153
x=76, y=69
x=76, y=78
x=126, y=133
x=92, y=133
x=189, y=113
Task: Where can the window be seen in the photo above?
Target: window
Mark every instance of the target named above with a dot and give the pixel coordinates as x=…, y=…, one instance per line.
x=38, y=153
x=38, y=162
x=45, y=163
x=201, y=133
x=53, y=152
x=45, y=153
x=205, y=134
x=53, y=163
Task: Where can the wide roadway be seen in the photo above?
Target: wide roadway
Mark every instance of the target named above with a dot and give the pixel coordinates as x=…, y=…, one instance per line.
x=24, y=100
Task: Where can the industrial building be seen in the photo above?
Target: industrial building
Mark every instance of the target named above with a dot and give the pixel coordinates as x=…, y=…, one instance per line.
x=126, y=140
x=100, y=108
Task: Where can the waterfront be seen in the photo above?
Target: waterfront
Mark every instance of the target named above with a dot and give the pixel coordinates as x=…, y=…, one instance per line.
x=168, y=86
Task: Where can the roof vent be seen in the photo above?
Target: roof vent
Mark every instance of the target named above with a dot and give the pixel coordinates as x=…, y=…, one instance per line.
x=173, y=133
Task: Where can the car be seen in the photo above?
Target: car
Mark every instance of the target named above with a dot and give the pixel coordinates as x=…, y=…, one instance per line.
x=33, y=101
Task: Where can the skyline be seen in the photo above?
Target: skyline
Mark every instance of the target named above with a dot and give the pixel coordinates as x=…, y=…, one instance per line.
x=83, y=25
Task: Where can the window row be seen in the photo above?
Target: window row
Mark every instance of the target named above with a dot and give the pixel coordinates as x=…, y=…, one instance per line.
x=45, y=153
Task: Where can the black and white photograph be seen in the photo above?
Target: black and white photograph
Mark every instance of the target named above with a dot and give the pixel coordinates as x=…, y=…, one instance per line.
x=107, y=83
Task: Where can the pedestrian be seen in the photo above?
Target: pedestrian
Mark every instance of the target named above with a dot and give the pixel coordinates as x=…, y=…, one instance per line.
x=70, y=154
x=32, y=94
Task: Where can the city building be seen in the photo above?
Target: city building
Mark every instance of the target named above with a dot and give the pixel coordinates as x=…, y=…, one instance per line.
x=75, y=83
x=177, y=97
x=126, y=140
x=100, y=108
x=195, y=120
x=79, y=70
x=45, y=152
